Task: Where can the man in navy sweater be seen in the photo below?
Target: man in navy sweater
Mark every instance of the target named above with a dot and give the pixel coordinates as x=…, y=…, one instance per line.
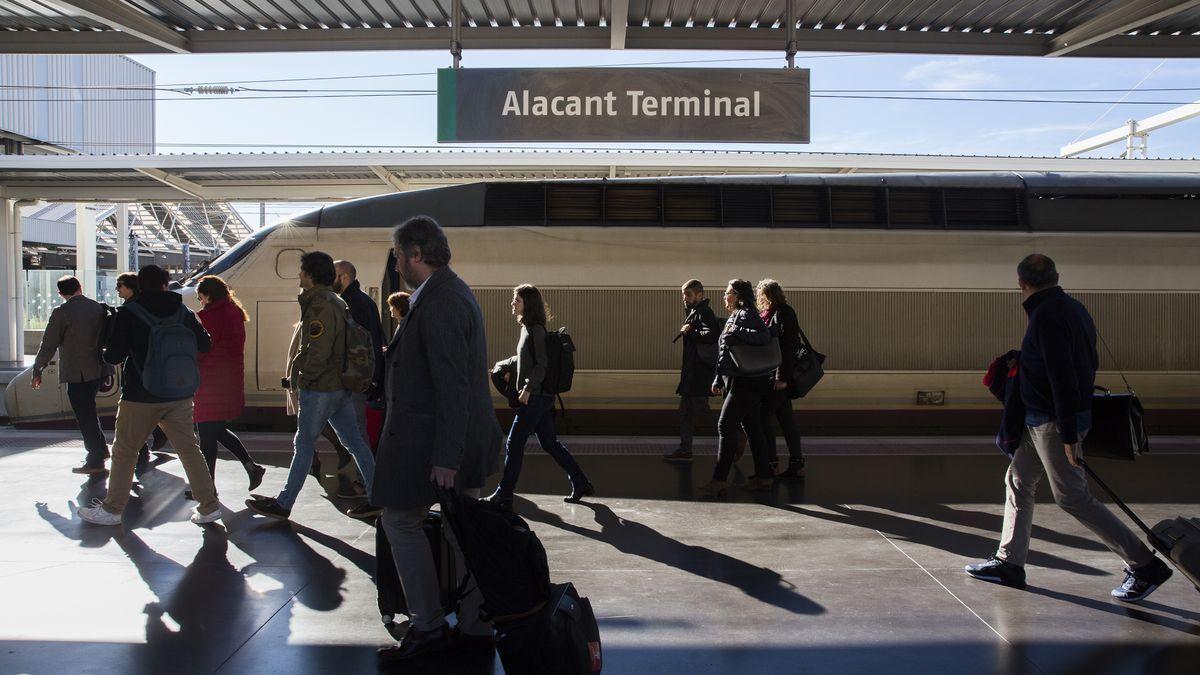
x=1058, y=371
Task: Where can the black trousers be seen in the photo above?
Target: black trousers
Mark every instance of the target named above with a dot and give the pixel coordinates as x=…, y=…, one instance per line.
x=777, y=407
x=742, y=410
x=212, y=433
x=82, y=396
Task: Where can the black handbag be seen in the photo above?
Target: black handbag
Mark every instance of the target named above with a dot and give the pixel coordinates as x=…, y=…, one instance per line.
x=808, y=370
x=1118, y=421
x=756, y=360
x=1118, y=426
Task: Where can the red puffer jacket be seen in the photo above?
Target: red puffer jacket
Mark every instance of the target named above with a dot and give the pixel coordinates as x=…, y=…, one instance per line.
x=222, y=393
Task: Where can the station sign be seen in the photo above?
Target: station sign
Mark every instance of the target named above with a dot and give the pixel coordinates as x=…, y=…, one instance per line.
x=623, y=104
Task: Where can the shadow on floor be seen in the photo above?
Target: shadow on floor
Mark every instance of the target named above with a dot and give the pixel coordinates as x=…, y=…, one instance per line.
x=633, y=538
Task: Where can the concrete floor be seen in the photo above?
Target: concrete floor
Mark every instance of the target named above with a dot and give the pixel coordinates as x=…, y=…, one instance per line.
x=857, y=571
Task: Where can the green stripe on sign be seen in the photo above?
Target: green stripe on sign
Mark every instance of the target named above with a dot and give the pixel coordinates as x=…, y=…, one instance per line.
x=447, y=96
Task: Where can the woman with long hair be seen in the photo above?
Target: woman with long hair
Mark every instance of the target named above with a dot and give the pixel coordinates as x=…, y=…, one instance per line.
x=743, y=394
x=221, y=395
x=777, y=402
x=535, y=416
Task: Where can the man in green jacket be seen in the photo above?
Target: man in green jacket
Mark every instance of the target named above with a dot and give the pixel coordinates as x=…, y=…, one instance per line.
x=316, y=374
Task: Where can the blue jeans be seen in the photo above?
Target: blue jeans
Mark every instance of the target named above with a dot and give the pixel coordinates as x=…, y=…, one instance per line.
x=535, y=418
x=316, y=409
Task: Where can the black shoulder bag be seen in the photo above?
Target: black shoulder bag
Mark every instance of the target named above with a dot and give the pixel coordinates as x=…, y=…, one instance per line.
x=808, y=369
x=1118, y=421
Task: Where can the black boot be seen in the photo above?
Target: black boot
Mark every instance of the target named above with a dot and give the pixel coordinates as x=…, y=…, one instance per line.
x=580, y=490
x=501, y=499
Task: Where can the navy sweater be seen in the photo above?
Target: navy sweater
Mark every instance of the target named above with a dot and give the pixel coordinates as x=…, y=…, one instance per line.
x=1058, y=360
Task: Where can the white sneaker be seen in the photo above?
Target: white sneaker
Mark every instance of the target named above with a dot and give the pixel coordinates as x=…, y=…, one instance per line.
x=205, y=518
x=96, y=515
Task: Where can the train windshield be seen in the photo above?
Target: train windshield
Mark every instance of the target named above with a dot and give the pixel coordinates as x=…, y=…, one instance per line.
x=229, y=258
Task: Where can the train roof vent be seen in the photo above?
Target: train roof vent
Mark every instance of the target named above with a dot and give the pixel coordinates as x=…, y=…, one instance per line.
x=983, y=209
x=515, y=204
x=632, y=205
x=796, y=205
x=692, y=205
x=912, y=208
x=748, y=206
x=575, y=204
x=854, y=206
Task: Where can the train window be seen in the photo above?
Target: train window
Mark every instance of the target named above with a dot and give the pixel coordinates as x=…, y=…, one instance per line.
x=575, y=204
x=909, y=208
x=982, y=209
x=632, y=205
x=852, y=206
x=515, y=204
x=746, y=206
x=692, y=205
x=794, y=205
x=287, y=263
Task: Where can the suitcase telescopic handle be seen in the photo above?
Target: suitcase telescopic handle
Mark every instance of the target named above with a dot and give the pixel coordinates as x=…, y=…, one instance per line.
x=1155, y=541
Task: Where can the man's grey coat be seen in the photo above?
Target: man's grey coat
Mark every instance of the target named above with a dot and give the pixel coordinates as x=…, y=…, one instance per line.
x=439, y=407
x=74, y=331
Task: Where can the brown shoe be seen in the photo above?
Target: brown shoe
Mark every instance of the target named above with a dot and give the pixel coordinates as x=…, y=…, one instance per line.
x=90, y=470
x=759, y=484
x=714, y=489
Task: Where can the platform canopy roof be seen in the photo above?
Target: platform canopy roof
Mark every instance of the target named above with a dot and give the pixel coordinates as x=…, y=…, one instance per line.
x=331, y=176
x=1110, y=28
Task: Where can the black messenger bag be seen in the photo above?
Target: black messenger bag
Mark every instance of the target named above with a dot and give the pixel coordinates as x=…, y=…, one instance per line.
x=1118, y=426
x=1118, y=421
x=756, y=360
x=808, y=371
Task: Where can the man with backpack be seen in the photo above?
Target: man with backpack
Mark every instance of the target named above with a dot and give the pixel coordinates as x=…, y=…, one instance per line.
x=334, y=358
x=156, y=339
x=440, y=432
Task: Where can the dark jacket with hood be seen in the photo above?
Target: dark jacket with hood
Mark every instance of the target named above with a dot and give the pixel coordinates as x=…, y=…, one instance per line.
x=1058, y=361
x=365, y=313
x=130, y=338
x=696, y=376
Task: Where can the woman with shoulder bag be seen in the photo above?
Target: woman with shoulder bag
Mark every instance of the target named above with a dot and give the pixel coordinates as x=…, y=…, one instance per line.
x=777, y=403
x=535, y=416
x=743, y=393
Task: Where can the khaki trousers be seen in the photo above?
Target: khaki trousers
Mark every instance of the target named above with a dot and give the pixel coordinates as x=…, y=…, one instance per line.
x=1041, y=453
x=135, y=421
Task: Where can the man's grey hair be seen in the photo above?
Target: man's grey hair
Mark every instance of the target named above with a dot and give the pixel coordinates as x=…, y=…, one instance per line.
x=424, y=233
x=347, y=267
x=1037, y=271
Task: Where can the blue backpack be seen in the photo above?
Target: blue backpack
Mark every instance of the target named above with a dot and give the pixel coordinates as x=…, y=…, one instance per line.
x=171, y=369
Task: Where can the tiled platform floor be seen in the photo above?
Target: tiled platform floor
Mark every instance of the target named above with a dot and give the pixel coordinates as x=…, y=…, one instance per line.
x=856, y=571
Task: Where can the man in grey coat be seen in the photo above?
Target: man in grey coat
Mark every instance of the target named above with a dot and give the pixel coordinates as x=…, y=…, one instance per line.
x=441, y=429
x=75, y=331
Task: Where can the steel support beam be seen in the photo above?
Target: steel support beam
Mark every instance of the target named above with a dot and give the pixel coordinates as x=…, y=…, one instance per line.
x=185, y=186
x=618, y=21
x=1122, y=18
x=124, y=17
x=122, y=242
x=12, y=320
x=595, y=37
x=85, y=248
x=388, y=177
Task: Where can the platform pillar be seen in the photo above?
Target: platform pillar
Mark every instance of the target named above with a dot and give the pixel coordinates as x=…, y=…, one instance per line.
x=12, y=312
x=85, y=248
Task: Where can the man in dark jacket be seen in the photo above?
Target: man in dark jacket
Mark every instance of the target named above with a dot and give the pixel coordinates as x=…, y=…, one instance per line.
x=139, y=411
x=700, y=331
x=365, y=313
x=75, y=333
x=1057, y=368
x=441, y=430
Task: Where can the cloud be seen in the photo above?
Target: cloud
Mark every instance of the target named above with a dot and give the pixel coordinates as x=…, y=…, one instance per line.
x=1034, y=130
x=951, y=74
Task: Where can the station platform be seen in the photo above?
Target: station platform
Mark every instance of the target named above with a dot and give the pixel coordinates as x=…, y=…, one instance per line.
x=856, y=570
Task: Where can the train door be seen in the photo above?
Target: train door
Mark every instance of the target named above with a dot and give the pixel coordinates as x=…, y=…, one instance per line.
x=391, y=283
x=274, y=325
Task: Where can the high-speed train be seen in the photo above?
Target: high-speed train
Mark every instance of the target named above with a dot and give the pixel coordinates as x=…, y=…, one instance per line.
x=906, y=281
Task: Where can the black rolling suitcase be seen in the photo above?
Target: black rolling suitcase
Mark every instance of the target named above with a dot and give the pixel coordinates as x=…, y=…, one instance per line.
x=1178, y=539
x=541, y=628
x=387, y=582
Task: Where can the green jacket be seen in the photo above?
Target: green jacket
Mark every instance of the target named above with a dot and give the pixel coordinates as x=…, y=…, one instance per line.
x=318, y=362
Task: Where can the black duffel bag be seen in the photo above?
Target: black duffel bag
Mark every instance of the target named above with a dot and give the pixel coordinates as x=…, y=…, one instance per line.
x=1118, y=426
x=808, y=369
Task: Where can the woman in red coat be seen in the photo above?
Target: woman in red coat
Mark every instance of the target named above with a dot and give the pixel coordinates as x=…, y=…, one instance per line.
x=222, y=396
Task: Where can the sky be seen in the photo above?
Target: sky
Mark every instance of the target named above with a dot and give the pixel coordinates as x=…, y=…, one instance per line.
x=837, y=125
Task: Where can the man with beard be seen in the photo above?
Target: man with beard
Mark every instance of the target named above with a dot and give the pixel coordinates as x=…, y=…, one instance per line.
x=440, y=432
x=700, y=331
